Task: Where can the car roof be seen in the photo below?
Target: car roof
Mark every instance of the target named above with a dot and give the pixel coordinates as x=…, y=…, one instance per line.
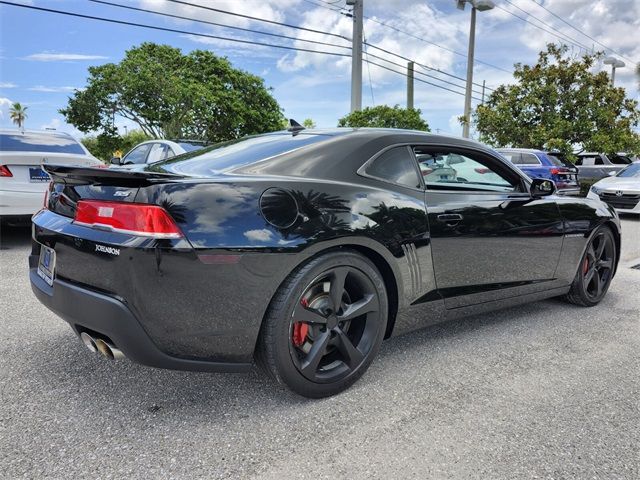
x=521, y=150
x=14, y=131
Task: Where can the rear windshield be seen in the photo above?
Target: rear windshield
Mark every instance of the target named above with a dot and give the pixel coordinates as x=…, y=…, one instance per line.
x=226, y=156
x=559, y=162
x=190, y=147
x=39, y=142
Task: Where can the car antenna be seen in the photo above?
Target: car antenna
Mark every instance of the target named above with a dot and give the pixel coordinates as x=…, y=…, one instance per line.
x=294, y=127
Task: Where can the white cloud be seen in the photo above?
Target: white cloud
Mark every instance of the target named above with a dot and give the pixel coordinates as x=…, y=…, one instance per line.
x=262, y=235
x=62, y=57
x=42, y=88
x=5, y=105
x=7, y=85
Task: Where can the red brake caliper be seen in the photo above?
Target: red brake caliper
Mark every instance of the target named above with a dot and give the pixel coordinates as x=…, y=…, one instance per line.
x=585, y=267
x=300, y=329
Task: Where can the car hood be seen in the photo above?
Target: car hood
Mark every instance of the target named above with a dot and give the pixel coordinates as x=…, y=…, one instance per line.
x=619, y=183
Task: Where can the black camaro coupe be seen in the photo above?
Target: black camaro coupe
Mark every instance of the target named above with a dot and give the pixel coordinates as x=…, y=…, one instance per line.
x=303, y=250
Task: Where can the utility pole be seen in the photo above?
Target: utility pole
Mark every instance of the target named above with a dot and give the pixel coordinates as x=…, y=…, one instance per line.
x=356, y=55
x=410, y=85
x=483, y=86
x=615, y=63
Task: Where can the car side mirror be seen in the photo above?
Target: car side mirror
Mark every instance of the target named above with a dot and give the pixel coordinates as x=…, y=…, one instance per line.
x=612, y=173
x=541, y=187
x=116, y=161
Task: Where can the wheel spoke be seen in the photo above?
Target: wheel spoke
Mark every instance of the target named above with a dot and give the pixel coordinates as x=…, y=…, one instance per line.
x=591, y=253
x=306, y=315
x=588, y=277
x=318, y=350
x=602, y=242
x=368, y=304
x=336, y=290
x=605, y=264
x=352, y=356
x=598, y=284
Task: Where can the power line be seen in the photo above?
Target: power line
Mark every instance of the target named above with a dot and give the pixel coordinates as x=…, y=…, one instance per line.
x=364, y=36
x=172, y=30
x=258, y=19
x=557, y=34
x=218, y=24
x=293, y=38
x=419, y=79
x=185, y=32
x=404, y=32
x=580, y=31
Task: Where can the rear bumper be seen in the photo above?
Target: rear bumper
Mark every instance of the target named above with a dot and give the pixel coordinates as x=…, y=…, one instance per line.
x=108, y=316
x=20, y=203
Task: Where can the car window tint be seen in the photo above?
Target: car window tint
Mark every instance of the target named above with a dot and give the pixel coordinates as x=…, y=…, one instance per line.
x=620, y=160
x=599, y=160
x=450, y=170
x=226, y=156
x=513, y=157
x=558, y=162
x=137, y=155
x=190, y=147
x=395, y=165
x=158, y=152
x=529, y=159
x=39, y=142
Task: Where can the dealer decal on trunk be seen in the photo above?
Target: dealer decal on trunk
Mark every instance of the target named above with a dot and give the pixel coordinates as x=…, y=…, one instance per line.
x=109, y=250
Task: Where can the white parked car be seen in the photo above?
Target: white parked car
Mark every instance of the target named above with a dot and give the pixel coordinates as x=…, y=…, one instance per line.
x=153, y=151
x=22, y=180
x=621, y=190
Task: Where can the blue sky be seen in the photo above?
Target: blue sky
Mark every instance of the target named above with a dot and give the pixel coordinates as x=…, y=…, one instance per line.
x=44, y=56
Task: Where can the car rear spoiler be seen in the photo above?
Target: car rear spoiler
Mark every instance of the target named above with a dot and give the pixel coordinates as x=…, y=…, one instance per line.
x=105, y=176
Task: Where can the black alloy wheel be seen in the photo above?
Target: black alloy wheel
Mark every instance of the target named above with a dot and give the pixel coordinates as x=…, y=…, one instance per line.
x=595, y=271
x=325, y=325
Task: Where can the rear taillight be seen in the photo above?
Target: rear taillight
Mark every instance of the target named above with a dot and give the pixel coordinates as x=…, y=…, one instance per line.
x=5, y=172
x=132, y=218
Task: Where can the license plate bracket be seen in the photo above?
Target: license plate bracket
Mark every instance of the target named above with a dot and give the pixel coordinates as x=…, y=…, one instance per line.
x=47, y=264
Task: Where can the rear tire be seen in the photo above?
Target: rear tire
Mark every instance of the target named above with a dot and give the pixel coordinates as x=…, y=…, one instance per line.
x=324, y=325
x=595, y=271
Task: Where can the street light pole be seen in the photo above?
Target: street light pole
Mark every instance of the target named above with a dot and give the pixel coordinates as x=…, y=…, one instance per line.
x=356, y=55
x=476, y=5
x=467, y=94
x=615, y=63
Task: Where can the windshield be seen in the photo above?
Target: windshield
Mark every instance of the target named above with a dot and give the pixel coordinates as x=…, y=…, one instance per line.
x=632, y=170
x=39, y=142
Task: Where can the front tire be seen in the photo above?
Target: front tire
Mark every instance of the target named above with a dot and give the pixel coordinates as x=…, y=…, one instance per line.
x=325, y=324
x=595, y=270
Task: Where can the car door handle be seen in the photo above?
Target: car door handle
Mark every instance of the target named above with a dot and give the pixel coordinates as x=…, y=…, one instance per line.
x=450, y=218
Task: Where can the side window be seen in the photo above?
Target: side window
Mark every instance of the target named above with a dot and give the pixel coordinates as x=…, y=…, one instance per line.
x=448, y=170
x=395, y=165
x=170, y=152
x=158, y=152
x=513, y=157
x=619, y=160
x=588, y=161
x=599, y=160
x=530, y=159
x=579, y=161
x=137, y=155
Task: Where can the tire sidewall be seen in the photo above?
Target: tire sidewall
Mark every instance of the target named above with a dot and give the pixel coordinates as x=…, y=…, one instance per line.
x=580, y=278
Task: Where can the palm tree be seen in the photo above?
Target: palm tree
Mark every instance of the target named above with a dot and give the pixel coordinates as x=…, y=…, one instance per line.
x=17, y=114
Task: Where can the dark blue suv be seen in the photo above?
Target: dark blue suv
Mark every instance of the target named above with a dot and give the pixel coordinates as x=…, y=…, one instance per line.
x=539, y=164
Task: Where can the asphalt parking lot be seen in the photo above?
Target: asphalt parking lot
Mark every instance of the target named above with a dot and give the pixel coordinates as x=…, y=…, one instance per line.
x=546, y=390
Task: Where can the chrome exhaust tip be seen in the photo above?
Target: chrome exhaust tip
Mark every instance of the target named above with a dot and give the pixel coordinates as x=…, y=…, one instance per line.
x=108, y=350
x=89, y=342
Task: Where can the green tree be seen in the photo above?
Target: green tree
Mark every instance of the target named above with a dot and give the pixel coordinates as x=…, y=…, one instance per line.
x=308, y=123
x=171, y=95
x=384, y=116
x=104, y=146
x=18, y=114
x=560, y=103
